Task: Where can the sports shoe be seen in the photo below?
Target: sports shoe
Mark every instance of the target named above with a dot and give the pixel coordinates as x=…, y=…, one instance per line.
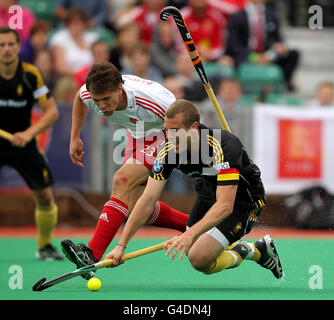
x=49, y=252
x=80, y=255
x=269, y=257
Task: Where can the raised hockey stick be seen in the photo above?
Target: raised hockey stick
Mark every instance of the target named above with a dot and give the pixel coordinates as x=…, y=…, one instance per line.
x=195, y=58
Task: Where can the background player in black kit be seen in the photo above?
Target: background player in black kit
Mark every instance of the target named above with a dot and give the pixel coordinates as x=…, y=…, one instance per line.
x=21, y=85
x=230, y=196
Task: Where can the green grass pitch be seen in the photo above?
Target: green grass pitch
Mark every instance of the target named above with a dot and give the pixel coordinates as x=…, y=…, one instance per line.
x=308, y=266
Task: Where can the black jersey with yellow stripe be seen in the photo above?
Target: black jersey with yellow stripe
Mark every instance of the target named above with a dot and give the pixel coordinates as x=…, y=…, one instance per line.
x=222, y=160
x=18, y=96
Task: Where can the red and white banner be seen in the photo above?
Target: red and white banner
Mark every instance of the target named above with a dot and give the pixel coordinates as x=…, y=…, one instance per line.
x=294, y=147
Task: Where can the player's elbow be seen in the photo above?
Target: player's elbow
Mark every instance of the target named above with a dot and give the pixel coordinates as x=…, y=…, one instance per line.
x=51, y=110
x=55, y=114
x=225, y=208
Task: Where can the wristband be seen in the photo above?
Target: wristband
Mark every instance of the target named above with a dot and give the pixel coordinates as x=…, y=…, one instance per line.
x=122, y=245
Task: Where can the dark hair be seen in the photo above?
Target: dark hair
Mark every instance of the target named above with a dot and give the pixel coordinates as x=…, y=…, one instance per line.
x=190, y=111
x=75, y=12
x=6, y=29
x=40, y=26
x=102, y=77
x=97, y=42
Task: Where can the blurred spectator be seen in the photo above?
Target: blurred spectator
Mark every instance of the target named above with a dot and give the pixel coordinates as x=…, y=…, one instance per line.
x=71, y=46
x=228, y=7
x=127, y=37
x=140, y=59
x=65, y=90
x=206, y=26
x=117, y=12
x=97, y=10
x=184, y=69
x=324, y=95
x=28, y=17
x=260, y=40
x=226, y=60
x=44, y=61
x=188, y=78
x=163, y=48
x=229, y=96
x=100, y=51
x=173, y=84
x=36, y=42
x=146, y=15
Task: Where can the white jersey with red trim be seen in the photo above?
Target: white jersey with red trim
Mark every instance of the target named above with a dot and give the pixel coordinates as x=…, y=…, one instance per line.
x=147, y=104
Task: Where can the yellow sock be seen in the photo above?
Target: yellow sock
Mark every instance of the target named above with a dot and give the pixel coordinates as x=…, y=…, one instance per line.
x=46, y=219
x=257, y=255
x=254, y=255
x=227, y=259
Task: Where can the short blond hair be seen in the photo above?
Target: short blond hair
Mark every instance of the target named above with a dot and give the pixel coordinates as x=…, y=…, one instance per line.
x=189, y=110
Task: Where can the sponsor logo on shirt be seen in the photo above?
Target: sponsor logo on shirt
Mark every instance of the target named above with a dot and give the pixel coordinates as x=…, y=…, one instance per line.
x=157, y=167
x=11, y=103
x=19, y=90
x=220, y=166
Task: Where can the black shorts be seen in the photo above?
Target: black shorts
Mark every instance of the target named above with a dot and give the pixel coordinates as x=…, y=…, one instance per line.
x=235, y=226
x=30, y=164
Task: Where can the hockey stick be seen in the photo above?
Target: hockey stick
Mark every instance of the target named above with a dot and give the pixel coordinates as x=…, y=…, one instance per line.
x=6, y=135
x=41, y=285
x=195, y=58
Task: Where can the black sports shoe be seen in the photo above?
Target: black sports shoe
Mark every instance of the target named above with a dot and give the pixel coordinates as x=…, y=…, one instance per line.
x=49, y=252
x=80, y=255
x=269, y=257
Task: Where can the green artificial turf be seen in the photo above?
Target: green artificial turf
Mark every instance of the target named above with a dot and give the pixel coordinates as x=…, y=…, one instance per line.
x=307, y=263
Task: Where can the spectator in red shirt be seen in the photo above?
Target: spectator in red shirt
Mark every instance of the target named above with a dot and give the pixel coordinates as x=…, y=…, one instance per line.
x=146, y=16
x=228, y=7
x=206, y=25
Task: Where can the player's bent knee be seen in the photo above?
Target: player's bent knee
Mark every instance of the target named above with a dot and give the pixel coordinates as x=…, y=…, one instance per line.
x=200, y=262
x=43, y=197
x=121, y=182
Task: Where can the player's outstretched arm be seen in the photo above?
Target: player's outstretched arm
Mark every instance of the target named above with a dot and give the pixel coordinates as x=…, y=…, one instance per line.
x=79, y=114
x=139, y=215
